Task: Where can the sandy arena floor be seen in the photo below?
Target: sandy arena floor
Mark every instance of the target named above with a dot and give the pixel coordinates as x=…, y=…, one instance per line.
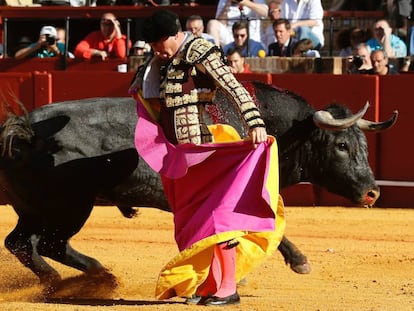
x=362, y=259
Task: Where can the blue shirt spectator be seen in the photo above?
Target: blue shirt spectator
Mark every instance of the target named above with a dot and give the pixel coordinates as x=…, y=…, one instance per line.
x=383, y=39
x=250, y=49
x=247, y=46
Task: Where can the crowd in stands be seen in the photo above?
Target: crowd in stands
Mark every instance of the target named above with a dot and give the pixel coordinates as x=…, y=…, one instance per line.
x=245, y=28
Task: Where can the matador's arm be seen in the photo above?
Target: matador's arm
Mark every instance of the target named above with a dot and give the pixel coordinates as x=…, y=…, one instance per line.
x=210, y=62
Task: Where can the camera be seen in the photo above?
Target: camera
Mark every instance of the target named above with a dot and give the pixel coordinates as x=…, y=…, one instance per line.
x=357, y=61
x=50, y=40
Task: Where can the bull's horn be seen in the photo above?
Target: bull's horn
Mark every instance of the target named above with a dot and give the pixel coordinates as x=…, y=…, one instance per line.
x=372, y=126
x=325, y=120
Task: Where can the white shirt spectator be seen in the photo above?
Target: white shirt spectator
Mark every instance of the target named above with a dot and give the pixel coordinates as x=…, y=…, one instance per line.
x=305, y=9
x=231, y=12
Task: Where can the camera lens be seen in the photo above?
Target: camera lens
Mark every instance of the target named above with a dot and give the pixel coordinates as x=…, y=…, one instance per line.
x=357, y=61
x=50, y=40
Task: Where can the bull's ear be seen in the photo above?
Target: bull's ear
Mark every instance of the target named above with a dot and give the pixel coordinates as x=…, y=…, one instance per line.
x=49, y=127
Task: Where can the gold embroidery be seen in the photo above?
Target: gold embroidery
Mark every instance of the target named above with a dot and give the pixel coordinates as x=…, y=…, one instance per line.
x=197, y=49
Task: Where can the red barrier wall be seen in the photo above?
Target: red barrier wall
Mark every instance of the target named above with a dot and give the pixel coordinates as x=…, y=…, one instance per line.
x=16, y=86
x=397, y=145
x=261, y=77
x=84, y=84
x=396, y=148
x=57, y=63
x=391, y=152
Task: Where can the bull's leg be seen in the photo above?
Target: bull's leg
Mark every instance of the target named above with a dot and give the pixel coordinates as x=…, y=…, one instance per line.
x=293, y=257
x=60, y=250
x=24, y=247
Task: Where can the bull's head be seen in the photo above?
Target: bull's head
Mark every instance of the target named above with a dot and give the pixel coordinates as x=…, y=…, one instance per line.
x=347, y=153
x=20, y=138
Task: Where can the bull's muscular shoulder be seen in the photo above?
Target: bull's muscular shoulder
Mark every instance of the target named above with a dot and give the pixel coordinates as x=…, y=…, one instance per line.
x=198, y=49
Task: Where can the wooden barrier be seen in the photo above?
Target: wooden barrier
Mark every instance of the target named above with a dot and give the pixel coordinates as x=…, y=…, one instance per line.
x=58, y=63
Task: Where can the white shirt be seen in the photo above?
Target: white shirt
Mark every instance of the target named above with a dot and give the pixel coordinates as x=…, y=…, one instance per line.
x=151, y=81
x=305, y=9
x=234, y=15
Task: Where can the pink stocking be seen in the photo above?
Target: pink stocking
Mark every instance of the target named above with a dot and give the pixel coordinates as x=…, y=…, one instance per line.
x=228, y=270
x=221, y=281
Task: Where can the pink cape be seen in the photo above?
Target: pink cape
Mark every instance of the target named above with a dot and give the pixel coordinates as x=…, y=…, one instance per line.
x=212, y=188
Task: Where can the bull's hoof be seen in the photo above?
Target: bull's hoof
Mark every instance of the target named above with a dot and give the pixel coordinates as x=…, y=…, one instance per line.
x=96, y=284
x=105, y=276
x=303, y=268
x=50, y=279
x=50, y=283
x=129, y=211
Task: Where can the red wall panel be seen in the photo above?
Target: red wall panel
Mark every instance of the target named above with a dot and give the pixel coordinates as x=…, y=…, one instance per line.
x=396, y=147
x=84, y=84
x=16, y=86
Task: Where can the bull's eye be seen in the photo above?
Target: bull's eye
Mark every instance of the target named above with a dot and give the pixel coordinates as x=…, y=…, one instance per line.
x=342, y=146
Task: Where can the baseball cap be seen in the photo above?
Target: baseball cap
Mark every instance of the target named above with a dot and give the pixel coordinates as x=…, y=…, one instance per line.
x=139, y=44
x=49, y=30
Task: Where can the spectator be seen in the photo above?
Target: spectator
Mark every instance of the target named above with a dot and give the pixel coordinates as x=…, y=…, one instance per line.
x=304, y=48
x=195, y=25
x=140, y=48
x=275, y=10
x=284, y=42
x=236, y=61
x=380, y=64
x=408, y=64
x=360, y=61
x=405, y=24
x=108, y=42
x=1, y=51
x=248, y=47
x=46, y=46
x=306, y=19
x=383, y=39
x=349, y=39
x=404, y=14
x=61, y=37
x=228, y=12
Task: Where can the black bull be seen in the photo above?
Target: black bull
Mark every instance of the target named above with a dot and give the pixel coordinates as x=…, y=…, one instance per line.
x=56, y=164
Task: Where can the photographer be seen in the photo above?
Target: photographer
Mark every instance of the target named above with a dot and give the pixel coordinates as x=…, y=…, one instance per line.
x=46, y=46
x=108, y=42
x=360, y=62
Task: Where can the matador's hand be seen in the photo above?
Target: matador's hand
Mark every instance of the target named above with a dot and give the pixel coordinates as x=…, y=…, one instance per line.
x=258, y=135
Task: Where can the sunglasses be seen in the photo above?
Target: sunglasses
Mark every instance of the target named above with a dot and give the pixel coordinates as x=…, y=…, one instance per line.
x=236, y=35
x=107, y=22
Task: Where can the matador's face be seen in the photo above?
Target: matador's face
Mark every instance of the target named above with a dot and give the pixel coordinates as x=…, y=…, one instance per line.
x=166, y=47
